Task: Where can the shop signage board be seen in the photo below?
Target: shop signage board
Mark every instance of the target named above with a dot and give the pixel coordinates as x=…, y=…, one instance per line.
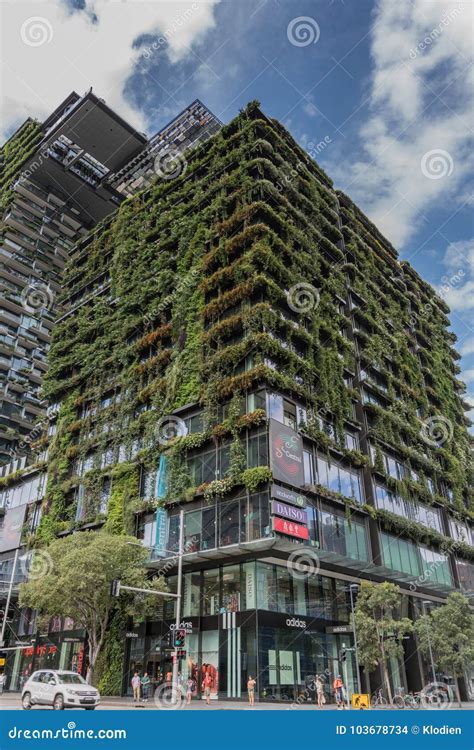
x=290, y=528
x=339, y=629
x=289, y=511
x=285, y=668
x=161, y=532
x=287, y=496
x=286, y=454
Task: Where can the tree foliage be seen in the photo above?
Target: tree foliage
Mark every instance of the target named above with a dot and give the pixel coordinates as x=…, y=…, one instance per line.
x=380, y=629
x=449, y=631
x=78, y=570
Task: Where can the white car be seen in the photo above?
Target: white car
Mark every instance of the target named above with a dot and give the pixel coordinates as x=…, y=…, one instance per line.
x=59, y=689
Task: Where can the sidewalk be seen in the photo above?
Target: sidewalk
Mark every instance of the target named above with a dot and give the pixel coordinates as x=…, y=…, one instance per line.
x=12, y=701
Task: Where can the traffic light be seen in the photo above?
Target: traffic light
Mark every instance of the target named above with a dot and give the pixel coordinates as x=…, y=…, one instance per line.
x=179, y=638
x=342, y=655
x=115, y=588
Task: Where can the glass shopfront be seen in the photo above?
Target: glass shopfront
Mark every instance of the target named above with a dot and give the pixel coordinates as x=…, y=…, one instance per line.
x=251, y=618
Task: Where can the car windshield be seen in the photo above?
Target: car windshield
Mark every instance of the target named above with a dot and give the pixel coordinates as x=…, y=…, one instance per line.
x=72, y=679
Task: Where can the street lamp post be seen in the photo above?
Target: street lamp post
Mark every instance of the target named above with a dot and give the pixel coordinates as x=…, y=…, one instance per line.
x=177, y=596
x=423, y=603
x=175, y=689
x=351, y=587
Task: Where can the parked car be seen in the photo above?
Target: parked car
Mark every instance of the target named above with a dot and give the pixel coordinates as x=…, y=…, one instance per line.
x=59, y=689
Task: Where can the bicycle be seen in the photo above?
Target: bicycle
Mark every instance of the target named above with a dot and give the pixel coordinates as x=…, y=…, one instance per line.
x=378, y=699
x=410, y=700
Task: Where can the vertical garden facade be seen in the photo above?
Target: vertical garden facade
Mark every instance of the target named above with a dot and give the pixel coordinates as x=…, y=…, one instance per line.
x=243, y=344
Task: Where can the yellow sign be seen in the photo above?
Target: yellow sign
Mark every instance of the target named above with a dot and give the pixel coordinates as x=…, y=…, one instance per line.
x=2, y=662
x=360, y=700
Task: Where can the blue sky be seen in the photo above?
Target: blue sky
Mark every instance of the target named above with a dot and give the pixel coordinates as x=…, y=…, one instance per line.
x=387, y=85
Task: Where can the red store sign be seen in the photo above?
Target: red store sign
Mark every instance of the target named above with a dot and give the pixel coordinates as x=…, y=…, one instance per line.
x=290, y=528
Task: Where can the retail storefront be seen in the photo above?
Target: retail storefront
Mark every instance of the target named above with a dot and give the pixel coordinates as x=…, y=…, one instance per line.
x=251, y=618
x=62, y=648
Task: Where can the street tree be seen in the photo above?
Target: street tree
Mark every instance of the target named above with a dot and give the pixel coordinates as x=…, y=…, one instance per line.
x=380, y=628
x=72, y=578
x=448, y=630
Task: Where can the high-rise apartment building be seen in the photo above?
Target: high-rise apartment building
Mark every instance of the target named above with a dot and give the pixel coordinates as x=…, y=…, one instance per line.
x=240, y=342
x=58, y=179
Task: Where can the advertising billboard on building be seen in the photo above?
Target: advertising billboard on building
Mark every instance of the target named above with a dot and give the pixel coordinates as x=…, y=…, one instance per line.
x=286, y=454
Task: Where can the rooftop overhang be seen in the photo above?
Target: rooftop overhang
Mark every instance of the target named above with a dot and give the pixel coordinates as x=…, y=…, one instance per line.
x=93, y=203
x=279, y=548
x=99, y=131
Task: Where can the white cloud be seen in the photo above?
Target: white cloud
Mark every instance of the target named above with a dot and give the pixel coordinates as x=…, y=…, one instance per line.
x=82, y=53
x=420, y=51
x=468, y=375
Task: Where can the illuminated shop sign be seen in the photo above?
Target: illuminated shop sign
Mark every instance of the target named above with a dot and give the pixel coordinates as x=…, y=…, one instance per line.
x=290, y=528
x=289, y=511
x=286, y=454
x=287, y=496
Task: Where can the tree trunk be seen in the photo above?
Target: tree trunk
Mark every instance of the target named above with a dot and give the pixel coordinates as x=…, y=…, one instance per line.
x=387, y=681
x=458, y=694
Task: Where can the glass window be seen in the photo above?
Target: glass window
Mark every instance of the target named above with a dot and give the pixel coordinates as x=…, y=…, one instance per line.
x=256, y=517
x=231, y=588
x=275, y=406
x=266, y=587
x=211, y=592
x=284, y=590
x=229, y=523
x=191, y=594
x=308, y=463
x=257, y=450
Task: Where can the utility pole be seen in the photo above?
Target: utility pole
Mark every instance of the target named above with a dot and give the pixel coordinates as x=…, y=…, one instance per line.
x=429, y=642
x=175, y=688
x=351, y=587
x=9, y=596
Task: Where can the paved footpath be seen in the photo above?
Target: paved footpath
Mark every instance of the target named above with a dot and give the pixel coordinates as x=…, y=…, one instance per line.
x=9, y=701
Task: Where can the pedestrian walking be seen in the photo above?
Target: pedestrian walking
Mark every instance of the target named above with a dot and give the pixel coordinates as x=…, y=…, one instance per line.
x=251, y=690
x=189, y=690
x=145, y=685
x=338, y=687
x=206, y=686
x=321, y=698
x=136, y=687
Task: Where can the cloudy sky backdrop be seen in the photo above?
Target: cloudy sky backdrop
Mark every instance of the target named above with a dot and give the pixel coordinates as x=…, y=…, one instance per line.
x=385, y=85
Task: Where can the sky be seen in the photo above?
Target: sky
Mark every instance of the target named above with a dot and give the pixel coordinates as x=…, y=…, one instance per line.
x=378, y=91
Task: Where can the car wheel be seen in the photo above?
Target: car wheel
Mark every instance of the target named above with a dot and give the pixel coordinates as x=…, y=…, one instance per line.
x=26, y=701
x=58, y=703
